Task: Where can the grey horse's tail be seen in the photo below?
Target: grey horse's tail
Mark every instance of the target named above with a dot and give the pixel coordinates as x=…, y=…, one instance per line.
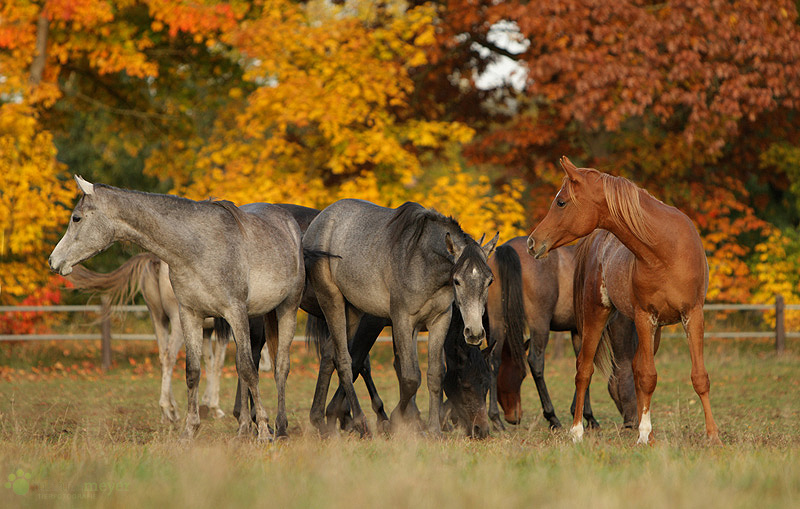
x=316, y=332
x=121, y=284
x=510, y=279
x=604, y=357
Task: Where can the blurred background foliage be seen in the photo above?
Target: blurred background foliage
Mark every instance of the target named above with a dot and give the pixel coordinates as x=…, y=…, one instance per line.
x=310, y=102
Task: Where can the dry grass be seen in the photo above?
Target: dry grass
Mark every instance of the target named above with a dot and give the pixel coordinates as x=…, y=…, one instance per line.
x=91, y=439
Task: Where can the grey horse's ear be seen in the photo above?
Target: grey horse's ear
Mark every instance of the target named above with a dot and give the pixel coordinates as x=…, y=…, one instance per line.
x=482, y=237
x=84, y=185
x=488, y=249
x=451, y=247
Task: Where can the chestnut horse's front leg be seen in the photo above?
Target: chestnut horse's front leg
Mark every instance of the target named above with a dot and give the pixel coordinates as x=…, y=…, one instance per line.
x=644, y=371
x=594, y=320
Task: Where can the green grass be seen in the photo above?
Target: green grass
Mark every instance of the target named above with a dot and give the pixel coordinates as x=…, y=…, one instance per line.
x=87, y=438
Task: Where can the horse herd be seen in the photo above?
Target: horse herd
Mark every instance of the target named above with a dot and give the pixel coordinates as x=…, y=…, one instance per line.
x=355, y=268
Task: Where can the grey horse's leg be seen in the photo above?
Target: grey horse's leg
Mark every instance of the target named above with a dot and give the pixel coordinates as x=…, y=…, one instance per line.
x=539, y=338
x=407, y=368
x=192, y=326
x=326, y=366
x=169, y=411
x=214, y=356
x=248, y=373
x=287, y=322
x=334, y=351
x=437, y=330
x=591, y=422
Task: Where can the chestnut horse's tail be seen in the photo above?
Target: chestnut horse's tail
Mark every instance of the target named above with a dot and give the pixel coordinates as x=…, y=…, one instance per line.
x=510, y=279
x=604, y=357
x=121, y=284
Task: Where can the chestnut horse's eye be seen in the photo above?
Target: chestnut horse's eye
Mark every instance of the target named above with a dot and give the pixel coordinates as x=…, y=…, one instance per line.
x=561, y=203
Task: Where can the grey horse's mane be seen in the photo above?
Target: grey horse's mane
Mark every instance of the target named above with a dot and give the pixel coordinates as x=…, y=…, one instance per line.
x=232, y=209
x=412, y=217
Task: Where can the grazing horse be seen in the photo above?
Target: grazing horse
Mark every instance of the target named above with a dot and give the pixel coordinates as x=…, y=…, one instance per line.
x=647, y=262
x=466, y=378
x=538, y=294
x=144, y=273
x=409, y=265
x=224, y=262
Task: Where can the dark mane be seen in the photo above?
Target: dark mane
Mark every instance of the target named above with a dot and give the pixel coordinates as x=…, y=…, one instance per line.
x=412, y=217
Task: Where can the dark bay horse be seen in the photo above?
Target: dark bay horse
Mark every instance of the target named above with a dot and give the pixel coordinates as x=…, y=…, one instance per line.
x=224, y=262
x=647, y=262
x=409, y=265
x=538, y=294
x=145, y=273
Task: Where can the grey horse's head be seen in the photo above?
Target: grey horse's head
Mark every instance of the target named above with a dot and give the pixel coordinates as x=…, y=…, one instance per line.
x=471, y=277
x=89, y=232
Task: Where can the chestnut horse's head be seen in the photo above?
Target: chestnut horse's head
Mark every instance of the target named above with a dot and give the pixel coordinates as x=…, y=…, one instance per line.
x=573, y=214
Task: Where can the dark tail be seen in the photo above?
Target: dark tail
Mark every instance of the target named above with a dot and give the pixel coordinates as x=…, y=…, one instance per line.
x=510, y=279
x=259, y=334
x=316, y=332
x=312, y=255
x=604, y=357
x=121, y=284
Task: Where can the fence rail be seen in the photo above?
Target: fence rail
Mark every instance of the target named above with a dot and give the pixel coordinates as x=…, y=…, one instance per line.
x=105, y=335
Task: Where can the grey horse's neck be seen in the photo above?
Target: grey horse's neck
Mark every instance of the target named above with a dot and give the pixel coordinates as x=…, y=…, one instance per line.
x=161, y=224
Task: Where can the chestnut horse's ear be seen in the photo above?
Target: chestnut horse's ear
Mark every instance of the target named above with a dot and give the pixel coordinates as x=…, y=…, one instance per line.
x=570, y=169
x=488, y=351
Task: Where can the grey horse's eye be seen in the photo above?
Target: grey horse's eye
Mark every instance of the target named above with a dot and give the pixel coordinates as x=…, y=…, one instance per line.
x=457, y=282
x=76, y=219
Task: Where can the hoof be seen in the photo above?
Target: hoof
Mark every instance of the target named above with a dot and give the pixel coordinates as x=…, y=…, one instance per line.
x=591, y=423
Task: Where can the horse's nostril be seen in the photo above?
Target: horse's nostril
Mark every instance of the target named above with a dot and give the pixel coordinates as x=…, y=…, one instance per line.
x=467, y=332
x=531, y=244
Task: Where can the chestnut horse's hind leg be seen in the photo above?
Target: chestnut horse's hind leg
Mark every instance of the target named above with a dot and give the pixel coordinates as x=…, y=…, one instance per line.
x=693, y=324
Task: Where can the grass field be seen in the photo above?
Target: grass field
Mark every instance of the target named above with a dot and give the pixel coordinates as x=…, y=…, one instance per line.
x=72, y=436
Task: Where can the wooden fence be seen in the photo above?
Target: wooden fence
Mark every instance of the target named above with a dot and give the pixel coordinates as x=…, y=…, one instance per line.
x=105, y=335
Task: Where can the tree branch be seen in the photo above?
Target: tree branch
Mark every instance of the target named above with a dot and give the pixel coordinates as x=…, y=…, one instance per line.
x=37, y=66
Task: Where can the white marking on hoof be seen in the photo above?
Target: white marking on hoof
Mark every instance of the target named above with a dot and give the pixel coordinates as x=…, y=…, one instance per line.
x=576, y=432
x=645, y=428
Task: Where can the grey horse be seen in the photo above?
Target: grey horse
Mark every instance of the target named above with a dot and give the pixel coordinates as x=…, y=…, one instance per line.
x=145, y=273
x=409, y=265
x=224, y=262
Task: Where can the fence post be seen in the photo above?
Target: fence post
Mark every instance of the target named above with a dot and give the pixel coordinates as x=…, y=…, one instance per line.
x=105, y=331
x=780, y=328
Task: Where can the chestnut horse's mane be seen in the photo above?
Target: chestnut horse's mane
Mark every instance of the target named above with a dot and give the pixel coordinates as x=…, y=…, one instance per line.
x=622, y=197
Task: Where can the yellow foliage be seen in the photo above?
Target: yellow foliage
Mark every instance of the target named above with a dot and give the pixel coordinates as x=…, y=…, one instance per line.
x=778, y=272
x=29, y=196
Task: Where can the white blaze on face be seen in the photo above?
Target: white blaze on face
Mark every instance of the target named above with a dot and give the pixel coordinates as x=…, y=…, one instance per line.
x=576, y=432
x=645, y=427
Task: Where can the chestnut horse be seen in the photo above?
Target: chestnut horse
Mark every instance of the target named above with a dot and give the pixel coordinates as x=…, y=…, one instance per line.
x=649, y=264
